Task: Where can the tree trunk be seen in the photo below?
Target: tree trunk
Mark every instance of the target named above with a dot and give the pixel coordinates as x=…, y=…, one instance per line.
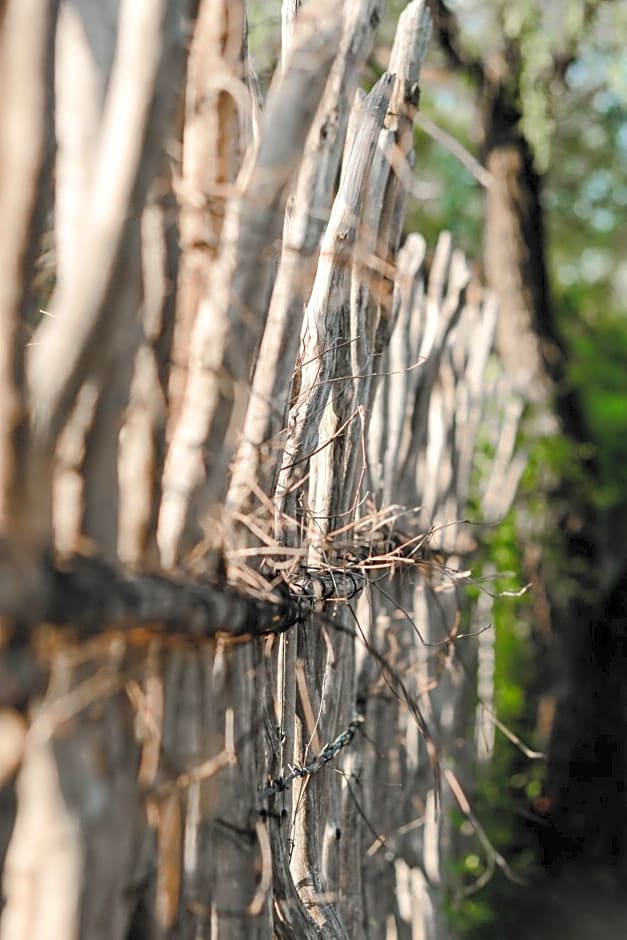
x=583, y=814
x=515, y=251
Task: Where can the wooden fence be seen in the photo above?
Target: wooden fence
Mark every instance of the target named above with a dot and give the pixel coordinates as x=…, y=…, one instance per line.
x=239, y=695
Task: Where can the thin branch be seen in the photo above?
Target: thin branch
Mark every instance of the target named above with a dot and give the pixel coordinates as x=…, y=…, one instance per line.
x=491, y=852
x=464, y=156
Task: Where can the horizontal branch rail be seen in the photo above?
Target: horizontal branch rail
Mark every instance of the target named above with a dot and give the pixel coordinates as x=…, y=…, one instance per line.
x=93, y=596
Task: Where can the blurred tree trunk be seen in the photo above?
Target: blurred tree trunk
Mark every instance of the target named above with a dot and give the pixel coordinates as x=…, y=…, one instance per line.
x=514, y=251
x=587, y=748
x=583, y=678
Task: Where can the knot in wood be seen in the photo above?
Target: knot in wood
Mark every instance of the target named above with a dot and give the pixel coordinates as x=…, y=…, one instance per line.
x=412, y=94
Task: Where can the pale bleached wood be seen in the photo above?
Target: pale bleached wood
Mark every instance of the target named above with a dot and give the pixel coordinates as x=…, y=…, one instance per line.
x=70, y=343
x=499, y=490
x=408, y=52
x=231, y=318
x=217, y=107
x=476, y=328
x=143, y=437
x=485, y=728
x=67, y=488
x=273, y=376
x=325, y=325
x=403, y=362
x=304, y=226
x=42, y=874
x=444, y=302
x=453, y=332
x=434, y=312
x=372, y=310
x=317, y=801
x=289, y=12
x=85, y=51
x=53, y=388
x=260, y=449
x=25, y=43
x=317, y=865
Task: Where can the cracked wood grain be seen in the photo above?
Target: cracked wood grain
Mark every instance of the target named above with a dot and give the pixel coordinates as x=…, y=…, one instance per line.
x=231, y=318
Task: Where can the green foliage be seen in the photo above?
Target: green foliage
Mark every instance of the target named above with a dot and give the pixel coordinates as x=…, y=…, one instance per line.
x=457, y=200
x=472, y=916
x=510, y=779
